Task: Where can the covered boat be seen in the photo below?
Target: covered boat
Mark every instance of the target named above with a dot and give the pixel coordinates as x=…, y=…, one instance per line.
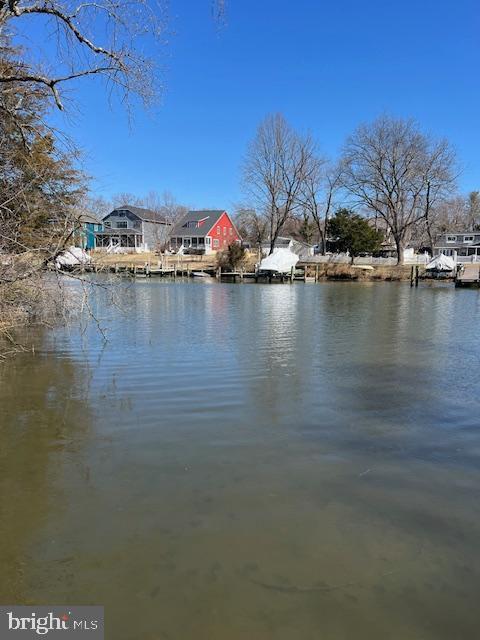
x=441, y=263
x=280, y=261
x=72, y=257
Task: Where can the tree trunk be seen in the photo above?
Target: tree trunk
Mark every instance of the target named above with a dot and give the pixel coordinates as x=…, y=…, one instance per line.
x=325, y=232
x=400, y=249
x=430, y=238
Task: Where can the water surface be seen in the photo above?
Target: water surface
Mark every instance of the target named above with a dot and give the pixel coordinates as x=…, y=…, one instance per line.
x=250, y=462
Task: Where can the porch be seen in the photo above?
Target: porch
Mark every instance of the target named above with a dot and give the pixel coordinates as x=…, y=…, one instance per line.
x=462, y=255
x=119, y=240
x=197, y=244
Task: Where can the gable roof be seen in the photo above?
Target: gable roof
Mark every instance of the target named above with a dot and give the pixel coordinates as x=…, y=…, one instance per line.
x=83, y=216
x=207, y=218
x=144, y=214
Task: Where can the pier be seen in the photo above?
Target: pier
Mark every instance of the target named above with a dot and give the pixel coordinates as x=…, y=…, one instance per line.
x=469, y=275
x=301, y=273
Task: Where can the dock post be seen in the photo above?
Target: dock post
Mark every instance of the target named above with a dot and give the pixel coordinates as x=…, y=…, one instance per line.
x=316, y=273
x=292, y=272
x=416, y=276
x=411, y=276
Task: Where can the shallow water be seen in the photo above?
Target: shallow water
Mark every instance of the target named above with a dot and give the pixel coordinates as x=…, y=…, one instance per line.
x=250, y=462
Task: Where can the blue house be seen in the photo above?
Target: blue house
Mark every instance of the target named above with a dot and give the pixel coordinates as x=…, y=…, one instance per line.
x=89, y=226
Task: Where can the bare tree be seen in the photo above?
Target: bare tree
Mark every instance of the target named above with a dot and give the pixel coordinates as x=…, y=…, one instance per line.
x=125, y=197
x=397, y=172
x=453, y=213
x=93, y=39
x=317, y=194
x=166, y=205
x=277, y=162
x=252, y=226
x=473, y=209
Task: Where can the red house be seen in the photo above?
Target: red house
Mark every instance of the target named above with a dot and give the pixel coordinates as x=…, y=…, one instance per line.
x=204, y=232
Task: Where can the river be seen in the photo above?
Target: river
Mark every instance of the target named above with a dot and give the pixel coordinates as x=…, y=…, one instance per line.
x=250, y=462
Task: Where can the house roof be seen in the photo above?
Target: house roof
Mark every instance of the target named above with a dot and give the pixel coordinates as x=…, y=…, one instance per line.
x=284, y=241
x=83, y=216
x=458, y=233
x=208, y=219
x=144, y=214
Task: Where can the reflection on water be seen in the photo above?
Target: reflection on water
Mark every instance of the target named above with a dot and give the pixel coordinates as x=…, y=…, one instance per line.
x=248, y=461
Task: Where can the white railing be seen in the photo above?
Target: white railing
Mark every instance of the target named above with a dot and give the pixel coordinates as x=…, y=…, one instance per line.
x=466, y=259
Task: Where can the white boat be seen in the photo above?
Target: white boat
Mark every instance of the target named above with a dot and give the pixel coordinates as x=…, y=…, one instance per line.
x=200, y=274
x=280, y=261
x=441, y=263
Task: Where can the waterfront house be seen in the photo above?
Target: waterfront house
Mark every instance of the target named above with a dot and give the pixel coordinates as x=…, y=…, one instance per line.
x=129, y=229
x=204, y=232
x=89, y=226
x=463, y=245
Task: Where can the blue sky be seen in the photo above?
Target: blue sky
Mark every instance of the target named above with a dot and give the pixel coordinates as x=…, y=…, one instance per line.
x=327, y=66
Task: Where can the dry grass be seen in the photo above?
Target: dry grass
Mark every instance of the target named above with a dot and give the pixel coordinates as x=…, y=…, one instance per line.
x=186, y=262
x=347, y=272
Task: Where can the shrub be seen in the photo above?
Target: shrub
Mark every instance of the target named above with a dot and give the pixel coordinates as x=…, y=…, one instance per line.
x=232, y=258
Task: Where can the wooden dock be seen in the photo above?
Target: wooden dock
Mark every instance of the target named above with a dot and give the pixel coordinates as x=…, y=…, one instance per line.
x=469, y=276
x=302, y=273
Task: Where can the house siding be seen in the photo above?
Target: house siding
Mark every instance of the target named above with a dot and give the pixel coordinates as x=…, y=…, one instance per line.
x=227, y=235
x=90, y=229
x=465, y=245
x=148, y=236
x=133, y=222
x=193, y=233
x=154, y=234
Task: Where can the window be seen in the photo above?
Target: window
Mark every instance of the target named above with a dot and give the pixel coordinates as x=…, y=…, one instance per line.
x=231, y=231
x=122, y=224
x=224, y=231
x=216, y=242
x=451, y=238
x=208, y=241
x=468, y=238
x=218, y=231
x=107, y=225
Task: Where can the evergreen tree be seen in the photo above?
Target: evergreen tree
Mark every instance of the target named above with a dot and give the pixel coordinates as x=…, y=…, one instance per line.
x=351, y=232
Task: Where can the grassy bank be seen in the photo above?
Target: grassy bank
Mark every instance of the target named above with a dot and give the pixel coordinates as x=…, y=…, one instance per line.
x=327, y=271
x=397, y=273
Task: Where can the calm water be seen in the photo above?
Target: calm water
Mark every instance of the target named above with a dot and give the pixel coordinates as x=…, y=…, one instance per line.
x=251, y=462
